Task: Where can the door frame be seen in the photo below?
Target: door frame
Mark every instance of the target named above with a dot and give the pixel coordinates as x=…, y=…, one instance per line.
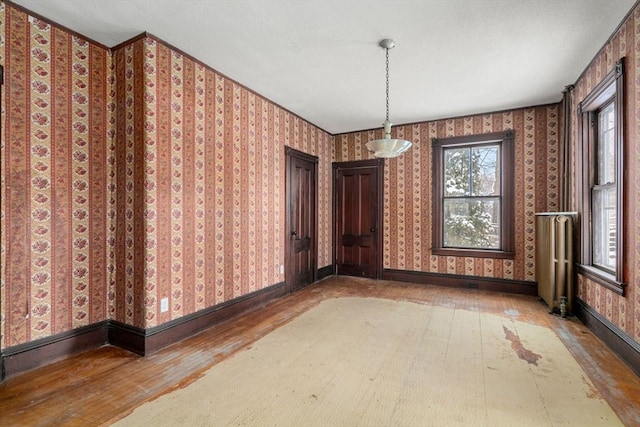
x=289, y=154
x=358, y=164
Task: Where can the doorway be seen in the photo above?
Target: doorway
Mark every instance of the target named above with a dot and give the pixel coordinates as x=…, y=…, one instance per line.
x=301, y=219
x=358, y=212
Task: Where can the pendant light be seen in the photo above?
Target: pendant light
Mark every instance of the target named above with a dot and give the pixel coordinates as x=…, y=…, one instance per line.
x=388, y=147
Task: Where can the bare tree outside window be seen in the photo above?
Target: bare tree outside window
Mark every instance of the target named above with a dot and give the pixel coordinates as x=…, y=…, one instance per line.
x=472, y=197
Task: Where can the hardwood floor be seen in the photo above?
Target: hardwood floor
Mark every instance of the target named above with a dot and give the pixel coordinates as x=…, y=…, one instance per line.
x=102, y=385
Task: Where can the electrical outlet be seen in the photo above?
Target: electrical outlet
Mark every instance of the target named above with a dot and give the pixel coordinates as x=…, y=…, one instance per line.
x=281, y=269
x=164, y=305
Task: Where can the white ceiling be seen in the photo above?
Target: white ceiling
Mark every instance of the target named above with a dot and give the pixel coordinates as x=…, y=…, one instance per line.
x=320, y=58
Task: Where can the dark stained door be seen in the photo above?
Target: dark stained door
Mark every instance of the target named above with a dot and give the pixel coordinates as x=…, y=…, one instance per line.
x=301, y=248
x=358, y=218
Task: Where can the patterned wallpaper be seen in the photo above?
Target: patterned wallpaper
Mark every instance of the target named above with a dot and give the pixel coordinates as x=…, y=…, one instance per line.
x=202, y=211
x=53, y=179
x=623, y=312
x=148, y=150
x=407, y=189
x=132, y=176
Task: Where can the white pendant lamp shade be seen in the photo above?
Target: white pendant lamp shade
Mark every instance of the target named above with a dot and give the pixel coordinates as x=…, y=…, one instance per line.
x=387, y=147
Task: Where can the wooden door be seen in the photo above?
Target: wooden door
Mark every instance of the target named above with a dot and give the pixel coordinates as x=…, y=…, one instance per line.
x=358, y=212
x=301, y=232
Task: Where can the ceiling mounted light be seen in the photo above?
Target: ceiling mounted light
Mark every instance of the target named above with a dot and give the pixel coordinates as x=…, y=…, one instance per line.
x=388, y=147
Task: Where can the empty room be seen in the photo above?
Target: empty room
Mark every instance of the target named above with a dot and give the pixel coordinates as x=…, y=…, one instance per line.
x=320, y=213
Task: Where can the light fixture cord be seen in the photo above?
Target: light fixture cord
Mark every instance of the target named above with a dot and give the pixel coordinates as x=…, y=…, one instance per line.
x=387, y=49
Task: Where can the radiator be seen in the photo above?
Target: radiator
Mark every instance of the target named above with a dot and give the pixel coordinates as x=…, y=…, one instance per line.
x=554, y=259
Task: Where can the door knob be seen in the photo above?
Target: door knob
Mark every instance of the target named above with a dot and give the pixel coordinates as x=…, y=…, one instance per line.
x=294, y=233
x=373, y=230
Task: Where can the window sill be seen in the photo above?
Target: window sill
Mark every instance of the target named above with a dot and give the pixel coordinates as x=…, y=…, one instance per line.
x=473, y=253
x=602, y=278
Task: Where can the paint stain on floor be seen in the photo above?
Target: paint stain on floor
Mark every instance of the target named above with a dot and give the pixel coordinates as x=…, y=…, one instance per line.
x=523, y=353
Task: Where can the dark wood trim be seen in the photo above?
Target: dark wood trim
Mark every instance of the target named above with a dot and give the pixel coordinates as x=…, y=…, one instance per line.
x=616, y=339
x=179, y=329
x=480, y=138
x=145, y=342
x=584, y=176
x=334, y=211
x=33, y=354
x=24, y=357
x=300, y=154
x=620, y=168
x=327, y=271
x=380, y=216
x=461, y=281
x=508, y=191
x=53, y=23
x=602, y=278
x=370, y=163
x=103, y=385
x=125, y=336
x=289, y=154
x=564, y=151
x=603, y=91
x=476, y=253
x=610, y=87
x=507, y=196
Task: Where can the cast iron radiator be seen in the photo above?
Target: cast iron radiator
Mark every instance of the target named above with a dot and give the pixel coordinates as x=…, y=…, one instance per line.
x=554, y=259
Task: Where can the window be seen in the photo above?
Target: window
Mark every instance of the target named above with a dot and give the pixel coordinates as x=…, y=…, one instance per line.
x=600, y=201
x=603, y=192
x=473, y=195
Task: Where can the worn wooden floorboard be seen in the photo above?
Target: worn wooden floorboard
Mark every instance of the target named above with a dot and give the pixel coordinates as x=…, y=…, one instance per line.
x=102, y=385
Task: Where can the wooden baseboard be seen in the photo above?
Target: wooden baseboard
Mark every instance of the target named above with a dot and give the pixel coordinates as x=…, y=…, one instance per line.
x=147, y=341
x=30, y=355
x=615, y=338
x=179, y=329
x=24, y=357
x=461, y=281
x=326, y=271
x=126, y=336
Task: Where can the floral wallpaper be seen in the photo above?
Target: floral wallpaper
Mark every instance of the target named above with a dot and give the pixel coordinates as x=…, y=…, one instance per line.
x=408, y=181
x=53, y=179
x=624, y=312
x=201, y=216
x=132, y=175
x=136, y=174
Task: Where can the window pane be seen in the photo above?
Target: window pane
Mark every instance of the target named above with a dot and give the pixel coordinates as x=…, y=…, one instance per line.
x=472, y=223
x=606, y=145
x=456, y=172
x=485, y=171
x=604, y=227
